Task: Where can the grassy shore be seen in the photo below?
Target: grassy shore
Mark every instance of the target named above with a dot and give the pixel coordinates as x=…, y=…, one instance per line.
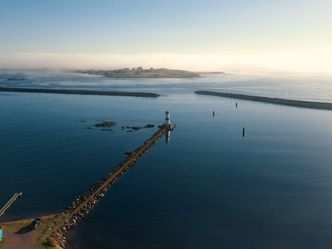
x=18, y=235
x=278, y=101
x=79, y=92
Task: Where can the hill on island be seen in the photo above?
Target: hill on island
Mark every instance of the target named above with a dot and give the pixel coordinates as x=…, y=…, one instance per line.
x=142, y=73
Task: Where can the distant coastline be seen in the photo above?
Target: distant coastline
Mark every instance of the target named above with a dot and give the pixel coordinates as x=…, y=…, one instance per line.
x=278, y=101
x=139, y=72
x=79, y=92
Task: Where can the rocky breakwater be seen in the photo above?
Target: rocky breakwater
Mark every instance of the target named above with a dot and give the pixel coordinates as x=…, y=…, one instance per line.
x=83, y=204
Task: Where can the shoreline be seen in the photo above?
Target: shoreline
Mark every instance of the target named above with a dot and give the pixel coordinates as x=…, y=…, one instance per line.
x=19, y=233
x=79, y=92
x=53, y=231
x=26, y=219
x=270, y=100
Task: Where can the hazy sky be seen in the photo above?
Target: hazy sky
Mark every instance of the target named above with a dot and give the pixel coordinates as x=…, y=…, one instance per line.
x=200, y=35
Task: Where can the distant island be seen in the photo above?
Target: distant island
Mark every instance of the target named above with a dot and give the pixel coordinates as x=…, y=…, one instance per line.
x=139, y=72
x=278, y=101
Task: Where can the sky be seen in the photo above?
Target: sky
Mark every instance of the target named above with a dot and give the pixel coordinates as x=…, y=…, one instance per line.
x=204, y=35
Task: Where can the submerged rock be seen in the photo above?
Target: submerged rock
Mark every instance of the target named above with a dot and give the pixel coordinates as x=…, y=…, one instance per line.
x=136, y=128
x=149, y=126
x=106, y=124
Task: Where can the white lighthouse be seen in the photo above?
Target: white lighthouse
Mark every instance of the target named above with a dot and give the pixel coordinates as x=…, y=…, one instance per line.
x=167, y=119
x=168, y=126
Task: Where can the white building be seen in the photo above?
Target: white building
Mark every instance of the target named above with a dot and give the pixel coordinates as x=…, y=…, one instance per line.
x=168, y=119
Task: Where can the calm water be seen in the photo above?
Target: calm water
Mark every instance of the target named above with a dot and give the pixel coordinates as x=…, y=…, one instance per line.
x=208, y=188
x=291, y=86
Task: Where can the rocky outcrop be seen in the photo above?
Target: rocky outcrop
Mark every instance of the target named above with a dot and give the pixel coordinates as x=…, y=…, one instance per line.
x=137, y=128
x=106, y=124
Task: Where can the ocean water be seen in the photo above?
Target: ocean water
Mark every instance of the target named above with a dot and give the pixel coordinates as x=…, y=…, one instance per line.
x=290, y=86
x=208, y=188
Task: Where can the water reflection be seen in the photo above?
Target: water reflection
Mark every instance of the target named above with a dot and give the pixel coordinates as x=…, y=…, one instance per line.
x=168, y=137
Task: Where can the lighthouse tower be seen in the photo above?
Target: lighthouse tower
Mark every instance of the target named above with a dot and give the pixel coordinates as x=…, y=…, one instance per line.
x=167, y=119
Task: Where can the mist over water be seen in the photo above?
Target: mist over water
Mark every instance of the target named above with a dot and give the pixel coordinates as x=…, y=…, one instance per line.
x=208, y=188
x=290, y=86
